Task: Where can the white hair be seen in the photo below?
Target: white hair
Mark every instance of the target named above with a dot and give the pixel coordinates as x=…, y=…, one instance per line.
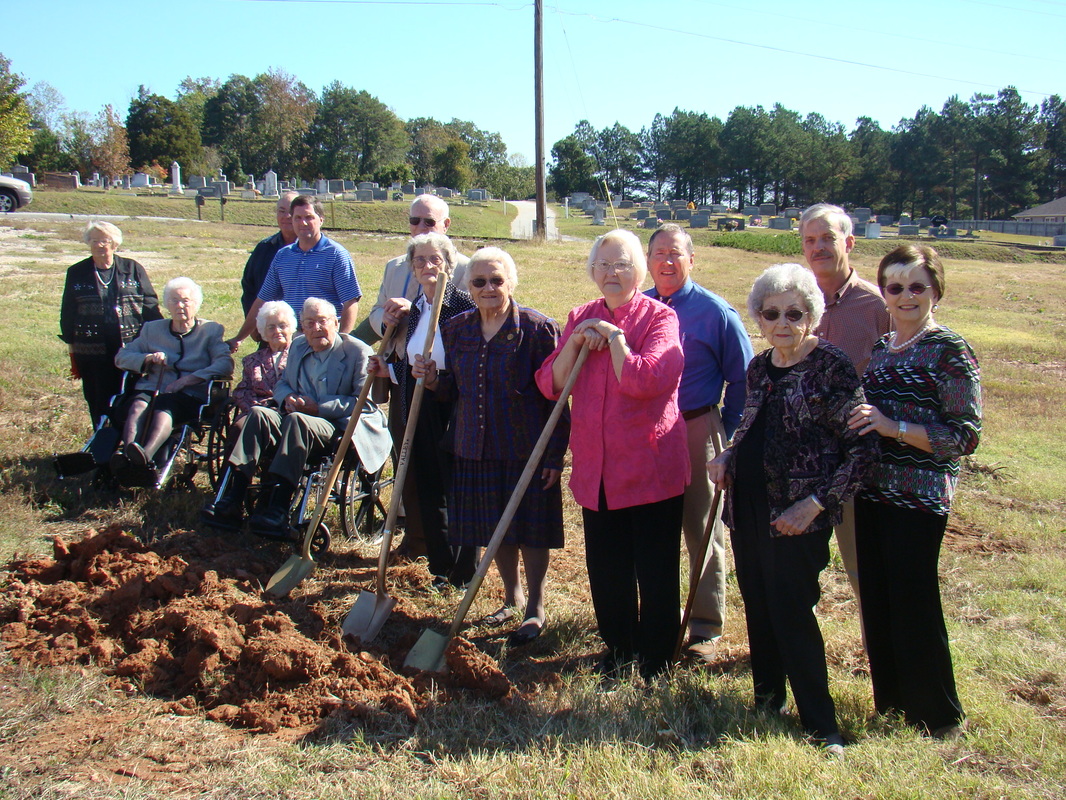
x=487, y=255
x=183, y=283
x=274, y=309
x=631, y=246
x=781, y=278
x=111, y=231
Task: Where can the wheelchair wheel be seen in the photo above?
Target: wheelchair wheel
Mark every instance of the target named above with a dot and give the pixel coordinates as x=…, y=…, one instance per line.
x=320, y=541
x=219, y=441
x=364, y=503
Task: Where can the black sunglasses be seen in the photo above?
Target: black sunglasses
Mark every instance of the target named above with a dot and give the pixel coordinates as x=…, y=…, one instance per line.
x=479, y=283
x=792, y=315
x=430, y=222
x=914, y=288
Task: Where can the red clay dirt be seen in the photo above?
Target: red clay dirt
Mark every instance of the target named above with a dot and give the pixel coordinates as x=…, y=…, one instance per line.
x=187, y=621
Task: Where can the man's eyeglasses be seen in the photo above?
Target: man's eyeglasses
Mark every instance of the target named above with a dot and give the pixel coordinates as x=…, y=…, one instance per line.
x=429, y=222
x=479, y=283
x=792, y=315
x=619, y=267
x=914, y=288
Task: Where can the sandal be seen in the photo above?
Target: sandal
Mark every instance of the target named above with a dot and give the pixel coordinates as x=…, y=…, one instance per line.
x=499, y=617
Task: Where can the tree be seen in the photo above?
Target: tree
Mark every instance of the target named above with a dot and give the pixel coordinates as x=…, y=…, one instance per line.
x=162, y=131
x=286, y=110
x=229, y=124
x=618, y=157
x=354, y=135
x=77, y=142
x=453, y=166
x=15, y=133
x=487, y=149
x=427, y=136
x=870, y=150
x=747, y=153
x=193, y=94
x=111, y=152
x=1053, y=124
x=573, y=169
x=516, y=179
x=1011, y=135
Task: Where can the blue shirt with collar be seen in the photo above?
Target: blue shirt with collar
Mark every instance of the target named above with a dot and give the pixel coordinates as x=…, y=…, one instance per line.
x=717, y=351
x=326, y=271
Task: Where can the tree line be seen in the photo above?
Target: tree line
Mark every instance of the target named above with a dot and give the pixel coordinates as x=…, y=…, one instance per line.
x=989, y=157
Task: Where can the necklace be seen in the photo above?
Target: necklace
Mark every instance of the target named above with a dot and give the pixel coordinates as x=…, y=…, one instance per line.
x=110, y=277
x=893, y=347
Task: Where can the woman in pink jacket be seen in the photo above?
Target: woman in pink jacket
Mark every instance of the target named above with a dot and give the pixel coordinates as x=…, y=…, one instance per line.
x=630, y=456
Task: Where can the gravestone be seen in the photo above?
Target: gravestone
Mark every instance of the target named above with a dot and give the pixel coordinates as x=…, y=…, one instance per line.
x=863, y=214
x=175, y=178
x=335, y=186
x=307, y=191
x=884, y=219
x=699, y=221
x=908, y=230
x=589, y=204
x=768, y=209
x=682, y=213
x=597, y=215
x=93, y=181
x=420, y=190
x=366, y=186
x=270, y=184
x=719, y=208
x=476, y=195
x=409, y=187
x=445, y=193
x=224, y=187
x=923, y=222
x=349, y=186
x=873, y=230
x=1060, y=241
x=793, y=213
x=944, y=232
x=642, y=213
x=127, y=182
x=675, y=204
x=859, y=229
x=780, y=224
x=650, y=222
x=365, y=195
x=248, y=194
x=704, y=209
x=197, y=182
x=140, y=181
x=751, y=211
x=905, y=219
x=577, y=198
x=60, y=180
x=730, y=224
x=321, y=186
x=665, y=214
x=209, y=191
x=626, y=204
x=381, y=194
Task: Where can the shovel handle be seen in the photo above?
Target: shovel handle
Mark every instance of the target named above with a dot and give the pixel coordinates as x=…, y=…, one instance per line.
x=342, y=448
x=694, y=581
x=517, y=495
x=404, y=460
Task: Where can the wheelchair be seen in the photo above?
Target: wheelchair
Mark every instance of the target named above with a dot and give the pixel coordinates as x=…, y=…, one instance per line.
x=361, y=496
x=177, y=461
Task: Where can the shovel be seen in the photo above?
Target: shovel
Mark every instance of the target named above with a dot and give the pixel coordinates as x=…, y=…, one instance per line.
x=428, y=652
x=372, y=609
x=694, y=583
x=298, y=567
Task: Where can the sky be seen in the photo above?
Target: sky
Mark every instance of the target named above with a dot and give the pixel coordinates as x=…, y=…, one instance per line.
x=605, y=60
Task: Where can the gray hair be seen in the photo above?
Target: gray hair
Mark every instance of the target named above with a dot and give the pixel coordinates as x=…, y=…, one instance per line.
x=183, y=283
x=271, y=309
x=835, y=217
x=319, y=305
x=437, y=240
x=111, y=231
x=486, y=255
x=630, y=246
x=781, y=278
x=673, y=227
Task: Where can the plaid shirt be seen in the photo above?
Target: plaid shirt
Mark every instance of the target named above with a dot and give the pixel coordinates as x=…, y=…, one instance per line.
x=855, y=318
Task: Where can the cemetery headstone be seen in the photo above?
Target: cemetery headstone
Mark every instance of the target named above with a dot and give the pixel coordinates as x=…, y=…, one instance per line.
x=381, y=194
x=873, y=230
x=409, y=187
x=699, y=221
x=625, y=204
x=780, y=224
x=768, y=209
x=863, y=214
x=140, y=180
x=175, y=178
x=682, y=213
x=884, y=219
x=642, y=213
x=908, y=230
x=335, y=186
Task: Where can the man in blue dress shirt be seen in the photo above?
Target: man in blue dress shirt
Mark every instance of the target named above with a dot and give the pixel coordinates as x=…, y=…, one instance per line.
x=717, y=352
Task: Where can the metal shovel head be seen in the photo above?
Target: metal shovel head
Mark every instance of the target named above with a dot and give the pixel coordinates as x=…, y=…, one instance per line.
x=290, y=575
x=368, y=615
x=428, y=652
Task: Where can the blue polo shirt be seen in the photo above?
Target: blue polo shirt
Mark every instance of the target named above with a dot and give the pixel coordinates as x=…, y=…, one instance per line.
x=326, y=271
x=717, y=352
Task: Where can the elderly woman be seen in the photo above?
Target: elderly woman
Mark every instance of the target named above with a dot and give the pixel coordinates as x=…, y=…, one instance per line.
x=493, y=353
x=923, y=392
x=187, y=352
x=276, y=324
x=630, y=454
x=106, y=300
x=432, y=258
x=792, y=464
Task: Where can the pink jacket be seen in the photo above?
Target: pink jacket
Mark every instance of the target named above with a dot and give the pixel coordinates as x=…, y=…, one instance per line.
x=257, y=384
x=628, y=434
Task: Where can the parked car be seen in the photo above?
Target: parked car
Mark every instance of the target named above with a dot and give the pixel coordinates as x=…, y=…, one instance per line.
x=14, y=194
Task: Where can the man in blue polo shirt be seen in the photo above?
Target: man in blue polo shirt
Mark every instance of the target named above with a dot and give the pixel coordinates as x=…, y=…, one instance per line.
x=313, y=266
x=717, y=352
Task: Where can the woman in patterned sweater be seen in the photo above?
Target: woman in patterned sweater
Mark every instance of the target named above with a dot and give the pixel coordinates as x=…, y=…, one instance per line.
x=923, y=388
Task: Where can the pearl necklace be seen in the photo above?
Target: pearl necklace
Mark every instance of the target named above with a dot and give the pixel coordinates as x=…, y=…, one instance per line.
x=899, y=348
x=110, y=277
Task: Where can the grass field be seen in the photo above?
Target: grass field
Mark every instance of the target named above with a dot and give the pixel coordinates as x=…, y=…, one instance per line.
x=70, y=733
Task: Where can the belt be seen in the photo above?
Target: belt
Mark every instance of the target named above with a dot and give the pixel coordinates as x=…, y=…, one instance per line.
x=695, y=412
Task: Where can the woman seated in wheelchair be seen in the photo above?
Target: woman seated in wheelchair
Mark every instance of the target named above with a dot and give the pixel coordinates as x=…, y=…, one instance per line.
x=176, y=359
x=276, y=323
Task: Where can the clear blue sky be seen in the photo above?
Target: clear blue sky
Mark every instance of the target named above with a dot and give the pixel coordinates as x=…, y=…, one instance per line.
x=606, y=61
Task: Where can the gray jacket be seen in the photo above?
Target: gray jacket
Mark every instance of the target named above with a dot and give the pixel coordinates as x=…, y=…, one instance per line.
x=201, y=352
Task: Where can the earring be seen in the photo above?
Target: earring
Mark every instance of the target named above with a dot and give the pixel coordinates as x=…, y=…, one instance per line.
x=936, y=306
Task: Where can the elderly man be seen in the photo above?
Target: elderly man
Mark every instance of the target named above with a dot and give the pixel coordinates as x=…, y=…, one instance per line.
x=428, y=214
x=255, y=271
x=855, y=318
x=315, y=397
x=717, y=352
x=313, y=266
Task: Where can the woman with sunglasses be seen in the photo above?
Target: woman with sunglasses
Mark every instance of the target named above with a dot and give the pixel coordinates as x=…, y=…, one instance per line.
x=630, y=454
x=923, y=388
x=792, y=465
x=493, y=352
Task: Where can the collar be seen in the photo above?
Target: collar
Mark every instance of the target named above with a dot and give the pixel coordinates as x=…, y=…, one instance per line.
x=853, y=278
x=682, y=293
x=319, y=245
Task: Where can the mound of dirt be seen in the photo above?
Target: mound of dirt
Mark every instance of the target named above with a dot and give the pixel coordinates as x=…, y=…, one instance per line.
x=196, y=628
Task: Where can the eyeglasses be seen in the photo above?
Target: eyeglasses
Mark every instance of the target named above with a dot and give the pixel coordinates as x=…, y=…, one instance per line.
x=914, y=288
x=421, y=261
x=792, y=315
x=429, y=222
x=619, y=267
x=479, y=283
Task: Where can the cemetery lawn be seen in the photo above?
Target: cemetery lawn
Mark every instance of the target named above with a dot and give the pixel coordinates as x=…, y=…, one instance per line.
x=78, y=732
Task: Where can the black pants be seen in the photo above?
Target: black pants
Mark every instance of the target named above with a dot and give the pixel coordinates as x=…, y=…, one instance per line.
x=633, y=556
x=100, y=381
x=778, y=579
x=906, y=639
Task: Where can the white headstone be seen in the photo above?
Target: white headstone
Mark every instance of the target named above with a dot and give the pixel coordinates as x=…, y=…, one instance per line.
x=175, y=178
x=270, y=182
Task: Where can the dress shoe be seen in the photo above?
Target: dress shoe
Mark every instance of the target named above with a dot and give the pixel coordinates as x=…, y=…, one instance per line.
x=227, y=512
x=136, y=455
x=272, y=514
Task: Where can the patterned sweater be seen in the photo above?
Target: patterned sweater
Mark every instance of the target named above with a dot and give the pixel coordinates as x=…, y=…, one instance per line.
x=936, y=382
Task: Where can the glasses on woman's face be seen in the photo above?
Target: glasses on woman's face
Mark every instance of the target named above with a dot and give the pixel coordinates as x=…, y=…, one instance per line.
x=619, y=267
x=792, y=315
x=914, y=288
x=480, y=283
x=422, y=261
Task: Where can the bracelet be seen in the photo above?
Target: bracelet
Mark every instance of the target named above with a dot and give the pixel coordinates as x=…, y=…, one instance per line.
x=901, y=431
x=613, y=336
x=818, y=503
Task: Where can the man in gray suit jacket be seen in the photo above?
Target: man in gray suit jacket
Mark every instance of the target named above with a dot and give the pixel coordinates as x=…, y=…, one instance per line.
x=315, y=397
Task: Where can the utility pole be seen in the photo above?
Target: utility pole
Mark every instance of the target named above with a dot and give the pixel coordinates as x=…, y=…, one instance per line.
x=540, y=234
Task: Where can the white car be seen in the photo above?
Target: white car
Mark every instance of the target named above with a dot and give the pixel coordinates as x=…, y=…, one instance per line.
x=14, y=194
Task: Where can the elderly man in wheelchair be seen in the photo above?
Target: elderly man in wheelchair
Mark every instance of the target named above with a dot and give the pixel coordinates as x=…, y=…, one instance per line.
x=315, y=396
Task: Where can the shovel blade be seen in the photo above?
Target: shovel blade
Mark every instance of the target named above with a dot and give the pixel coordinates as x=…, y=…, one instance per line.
x=290, y=576
x=368, y=615
x=428, y=652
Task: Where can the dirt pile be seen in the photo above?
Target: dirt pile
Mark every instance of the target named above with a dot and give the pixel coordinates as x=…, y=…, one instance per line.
x=193, y=626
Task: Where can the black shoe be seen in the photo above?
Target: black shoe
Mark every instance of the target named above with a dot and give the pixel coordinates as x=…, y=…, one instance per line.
x=227, y=512
x=136, y=455
x=271, y=517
